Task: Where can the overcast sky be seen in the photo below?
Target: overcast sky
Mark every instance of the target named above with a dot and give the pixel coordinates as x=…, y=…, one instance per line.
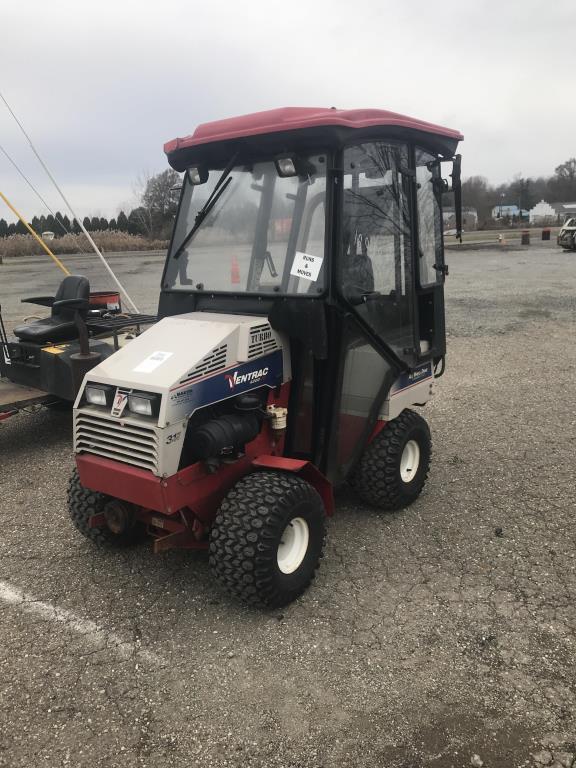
x=100, y=86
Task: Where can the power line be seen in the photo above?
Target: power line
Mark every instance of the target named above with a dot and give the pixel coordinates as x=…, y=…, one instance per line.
x=33, y=188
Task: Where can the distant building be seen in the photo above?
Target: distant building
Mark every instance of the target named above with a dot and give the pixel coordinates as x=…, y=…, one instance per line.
x=564, y=211
x=551, y=213
x=469, y=218
x=508, y=211
x=47, y=235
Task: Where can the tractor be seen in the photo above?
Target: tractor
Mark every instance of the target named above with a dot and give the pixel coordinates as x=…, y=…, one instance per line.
x=301, y=321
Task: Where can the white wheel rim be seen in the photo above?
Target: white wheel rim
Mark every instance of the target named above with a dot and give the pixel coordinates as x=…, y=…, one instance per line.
x=293, y=545
x=410, y=461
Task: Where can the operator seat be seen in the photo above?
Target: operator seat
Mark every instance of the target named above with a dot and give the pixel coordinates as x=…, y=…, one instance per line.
x=60, y=326
x=358, y=272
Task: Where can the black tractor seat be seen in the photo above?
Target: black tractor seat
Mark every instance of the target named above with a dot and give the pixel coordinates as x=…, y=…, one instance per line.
x=60, y=326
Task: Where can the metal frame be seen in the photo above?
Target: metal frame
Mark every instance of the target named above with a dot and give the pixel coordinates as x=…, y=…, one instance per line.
x=179, y=510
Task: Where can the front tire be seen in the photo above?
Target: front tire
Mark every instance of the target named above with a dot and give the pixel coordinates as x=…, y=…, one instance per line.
x=393, y=469
x=83, y=504
x=268, y=538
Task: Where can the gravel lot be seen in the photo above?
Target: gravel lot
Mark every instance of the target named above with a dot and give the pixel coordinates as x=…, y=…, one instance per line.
x=441, y=636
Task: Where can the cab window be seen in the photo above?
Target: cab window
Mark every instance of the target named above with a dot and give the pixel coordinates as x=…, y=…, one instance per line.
x=376, y=264
x=429, y=219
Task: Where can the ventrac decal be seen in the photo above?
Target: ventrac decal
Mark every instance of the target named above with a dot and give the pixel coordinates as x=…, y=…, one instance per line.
x=252, y=377
x=265, y=371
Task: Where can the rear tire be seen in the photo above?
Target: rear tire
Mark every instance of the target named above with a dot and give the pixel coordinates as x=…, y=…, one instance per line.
x=83, y=504
x=393, y=469
x=268, y=538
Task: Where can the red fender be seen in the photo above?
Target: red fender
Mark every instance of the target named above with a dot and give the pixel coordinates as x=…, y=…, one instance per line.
x=378, y=427
x=306, y=470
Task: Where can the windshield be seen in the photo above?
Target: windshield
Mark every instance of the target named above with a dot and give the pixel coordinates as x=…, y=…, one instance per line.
x=264, y=234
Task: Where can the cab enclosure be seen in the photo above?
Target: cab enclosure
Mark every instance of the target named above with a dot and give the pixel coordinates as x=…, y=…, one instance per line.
x=328, y=223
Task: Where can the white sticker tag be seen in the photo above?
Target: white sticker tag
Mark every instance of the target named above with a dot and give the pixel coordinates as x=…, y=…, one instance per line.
x=152, y=362
x=306, y=265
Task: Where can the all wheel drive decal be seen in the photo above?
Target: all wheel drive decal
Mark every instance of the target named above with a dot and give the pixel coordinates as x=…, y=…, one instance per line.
x=265, y=371
x=411, y=378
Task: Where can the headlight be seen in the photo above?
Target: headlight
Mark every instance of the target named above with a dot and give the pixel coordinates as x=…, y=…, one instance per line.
x=99, y=394
x=144, y=403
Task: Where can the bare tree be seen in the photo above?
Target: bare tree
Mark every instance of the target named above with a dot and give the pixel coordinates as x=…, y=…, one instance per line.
x=159, y=199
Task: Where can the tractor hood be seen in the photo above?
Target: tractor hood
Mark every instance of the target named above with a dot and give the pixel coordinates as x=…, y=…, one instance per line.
x=194, y=360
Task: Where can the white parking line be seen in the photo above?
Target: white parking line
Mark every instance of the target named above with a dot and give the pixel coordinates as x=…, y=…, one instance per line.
x=92, y=633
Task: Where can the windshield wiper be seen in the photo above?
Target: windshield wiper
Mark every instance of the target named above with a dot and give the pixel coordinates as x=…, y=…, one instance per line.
x=213, y=198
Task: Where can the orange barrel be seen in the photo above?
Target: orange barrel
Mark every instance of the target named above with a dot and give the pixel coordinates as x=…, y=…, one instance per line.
x=106, y=300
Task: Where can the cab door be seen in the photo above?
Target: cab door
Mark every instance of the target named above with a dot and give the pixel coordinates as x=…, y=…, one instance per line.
x=376, y=275
x=430, y=267
x=376, y=282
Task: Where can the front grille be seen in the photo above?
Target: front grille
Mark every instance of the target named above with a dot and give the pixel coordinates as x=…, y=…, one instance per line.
x=128, y=443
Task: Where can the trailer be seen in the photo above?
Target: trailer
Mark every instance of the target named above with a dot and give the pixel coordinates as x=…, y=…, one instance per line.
x=45, y=363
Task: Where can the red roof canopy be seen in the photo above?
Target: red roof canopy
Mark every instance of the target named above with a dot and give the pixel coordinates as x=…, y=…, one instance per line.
x=296, y=118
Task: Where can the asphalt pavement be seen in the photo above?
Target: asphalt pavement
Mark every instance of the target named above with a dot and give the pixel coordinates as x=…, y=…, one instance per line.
x=441, y=636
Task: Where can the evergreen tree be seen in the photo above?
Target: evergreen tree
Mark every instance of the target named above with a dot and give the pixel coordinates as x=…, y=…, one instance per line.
x=112, y=224
x=103, y=224
x=95, y=223
x=42, y=226
x=66, y=222
x=122, y=222
x=51, y=225
x=76, y=227
x=35, y=224
x=58, y=228
x=11, y=229
x=87, y=224
x=3, y=228
x=138, y=222
x=20, y=228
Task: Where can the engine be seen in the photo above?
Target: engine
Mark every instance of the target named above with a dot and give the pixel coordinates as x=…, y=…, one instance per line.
x=193, y=387
x=222, y=432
